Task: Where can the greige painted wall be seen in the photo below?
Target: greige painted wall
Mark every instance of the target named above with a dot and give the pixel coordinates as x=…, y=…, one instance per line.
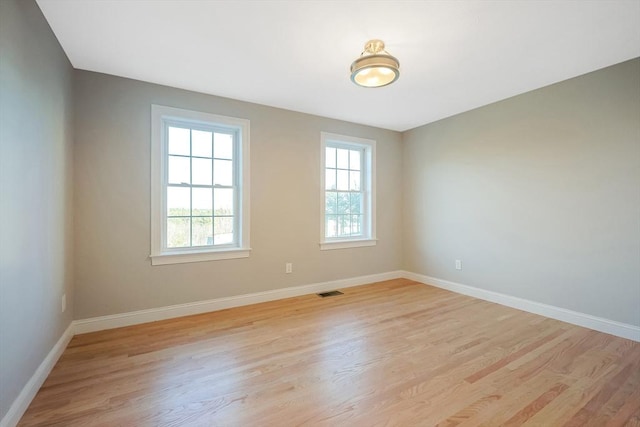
x=35, y=194
x=538, y=195
x=112, y=189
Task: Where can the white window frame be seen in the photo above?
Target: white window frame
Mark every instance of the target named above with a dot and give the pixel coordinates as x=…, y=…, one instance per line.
x=160, y=254
x=368, y=237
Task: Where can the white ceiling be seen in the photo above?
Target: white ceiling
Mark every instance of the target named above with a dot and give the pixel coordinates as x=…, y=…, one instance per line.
x=454, y=55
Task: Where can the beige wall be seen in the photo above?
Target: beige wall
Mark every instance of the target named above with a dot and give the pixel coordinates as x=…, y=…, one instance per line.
x=538, y=195
x=112, y=184
x=35, y=194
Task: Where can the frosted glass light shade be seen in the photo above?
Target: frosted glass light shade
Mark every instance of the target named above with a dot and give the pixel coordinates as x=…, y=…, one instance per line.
x=375, y=67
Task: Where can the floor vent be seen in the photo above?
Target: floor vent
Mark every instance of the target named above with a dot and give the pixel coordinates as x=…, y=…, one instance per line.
x=329, y=294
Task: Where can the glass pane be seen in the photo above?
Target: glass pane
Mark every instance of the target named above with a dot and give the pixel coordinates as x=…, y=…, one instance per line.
x=343, y=180
x=178, y=232
x=344, y=205
x=330, y=202
x=223, y=172
x=343, y=225
x=178, y=201
x=179, y=170
x=201, y=143
x=223, y=201
x=202, y=231
x=356, y=203
x=201, y=174
x=223, y=231
x=179, y=141
x=354, y=181
x=223, y=146
x=202, y=202
x=356, y=225
x=343, y=158
x=330, y=180
x=330, y=157
x=354, y=160
x=330, y=225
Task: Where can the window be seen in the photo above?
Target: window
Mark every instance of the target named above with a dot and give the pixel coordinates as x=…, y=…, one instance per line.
x=348, y=192
x=200, y=186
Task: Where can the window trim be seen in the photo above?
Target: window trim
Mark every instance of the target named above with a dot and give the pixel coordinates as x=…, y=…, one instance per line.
x=369, y=146
x=160, y=255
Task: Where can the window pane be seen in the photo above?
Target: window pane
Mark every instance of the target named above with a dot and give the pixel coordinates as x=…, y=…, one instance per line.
x=331, y=225
x=343, y=225
x=223, y=172
x=202, y=202
x=330, y=202
x=354, y=181
x=330, y=157
x=356, y=225
x=356, y=203
x=223, y=201
x=179, y=170
x=178, y=201
x=343, y=158
x=201, y=171
x=354, y=160
x=223, y=231
x=344, y=205
x=223, y=146
x=330, y=180
x=343, y=180
x=179, y=141
x=202, y=231
x=178, y=232
x=201, y=143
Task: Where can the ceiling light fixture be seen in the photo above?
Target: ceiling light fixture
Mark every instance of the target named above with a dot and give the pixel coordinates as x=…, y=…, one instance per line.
x=375, y=67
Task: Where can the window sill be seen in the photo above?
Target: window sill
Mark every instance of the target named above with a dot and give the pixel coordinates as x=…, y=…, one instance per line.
x=199, y=256
x=345, y=244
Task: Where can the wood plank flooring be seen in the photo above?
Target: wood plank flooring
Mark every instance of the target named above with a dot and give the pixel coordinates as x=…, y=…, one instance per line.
x=393, y=353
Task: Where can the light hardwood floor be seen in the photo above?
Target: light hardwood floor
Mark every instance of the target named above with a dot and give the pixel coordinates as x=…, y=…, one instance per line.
x=392, y=353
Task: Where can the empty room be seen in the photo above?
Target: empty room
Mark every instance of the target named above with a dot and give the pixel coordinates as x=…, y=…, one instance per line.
x=322, y=213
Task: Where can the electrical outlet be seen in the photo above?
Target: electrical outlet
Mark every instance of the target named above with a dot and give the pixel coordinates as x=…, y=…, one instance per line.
x=288, y=268
x=63, y=303
x=458, y=264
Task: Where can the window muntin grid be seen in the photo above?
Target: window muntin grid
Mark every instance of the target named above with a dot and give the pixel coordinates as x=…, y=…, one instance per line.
x=345, y=194
x=201, y=186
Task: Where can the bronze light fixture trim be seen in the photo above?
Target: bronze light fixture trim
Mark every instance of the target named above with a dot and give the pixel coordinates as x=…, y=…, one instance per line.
x=375, y=67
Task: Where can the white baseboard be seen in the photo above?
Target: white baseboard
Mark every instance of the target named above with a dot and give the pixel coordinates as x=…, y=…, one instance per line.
x=151, y=315
x=29, y=391
x=612, y=327
x=22, y=402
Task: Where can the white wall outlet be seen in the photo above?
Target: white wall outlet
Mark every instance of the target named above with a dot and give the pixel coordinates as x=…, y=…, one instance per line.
x=458, y=264
x=288, y=268
x=63, y=303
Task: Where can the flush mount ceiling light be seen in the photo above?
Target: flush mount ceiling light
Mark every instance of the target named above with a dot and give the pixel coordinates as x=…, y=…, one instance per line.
x=375, y=67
